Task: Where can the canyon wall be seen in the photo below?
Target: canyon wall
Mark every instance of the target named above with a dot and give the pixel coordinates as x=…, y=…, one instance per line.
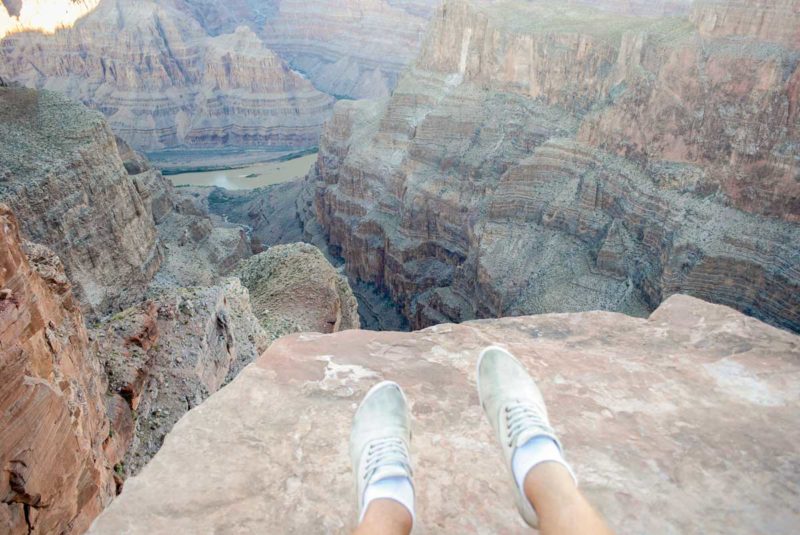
x=349, y=48
x=162, y=81
x=56, y=453
x=538, y=159
x=775, y=21
x=61, y=173
x=82, y=407
x=212, y=79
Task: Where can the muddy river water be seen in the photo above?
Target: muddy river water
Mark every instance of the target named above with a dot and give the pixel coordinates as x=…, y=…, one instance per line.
x=252, y=176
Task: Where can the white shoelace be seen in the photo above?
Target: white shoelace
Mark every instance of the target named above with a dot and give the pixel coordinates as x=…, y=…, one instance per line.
x=384, y=452
x=520, y=417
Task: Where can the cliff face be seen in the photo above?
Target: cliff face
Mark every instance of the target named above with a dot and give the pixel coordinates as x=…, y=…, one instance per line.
x=61, y=173
x=55, y=448
x=641, y=8
x=695, y=407
x=162, y=81
x=775, y=21
x=352, y=48
x=536, y=158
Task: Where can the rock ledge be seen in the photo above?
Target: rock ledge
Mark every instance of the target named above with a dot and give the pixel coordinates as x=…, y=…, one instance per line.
x=672, y=424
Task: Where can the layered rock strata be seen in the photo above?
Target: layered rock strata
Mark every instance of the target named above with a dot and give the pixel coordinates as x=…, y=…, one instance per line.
x=769, y=20
x=293, y=288
x=61, y=173
x=349, y=48
x=56, y=455
x=641, y=8
x=538, y=158
x=694, y=407
x=82, y=408
x=162, y=81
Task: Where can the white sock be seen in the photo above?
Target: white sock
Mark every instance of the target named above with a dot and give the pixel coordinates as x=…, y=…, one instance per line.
x=535, y=451
x=398, y=489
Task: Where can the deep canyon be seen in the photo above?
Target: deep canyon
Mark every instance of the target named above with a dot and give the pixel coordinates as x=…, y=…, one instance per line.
x=610, y=188
x=534, y=159
x=247, y=79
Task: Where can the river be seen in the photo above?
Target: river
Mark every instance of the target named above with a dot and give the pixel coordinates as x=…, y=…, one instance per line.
x=252, y=176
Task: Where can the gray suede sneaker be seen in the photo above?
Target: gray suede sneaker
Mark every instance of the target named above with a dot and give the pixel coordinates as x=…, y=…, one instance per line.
x=516, y=411
x=380, y=438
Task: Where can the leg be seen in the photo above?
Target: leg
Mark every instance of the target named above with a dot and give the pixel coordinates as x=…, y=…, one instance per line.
x=385, y=517
x=561, y=507
x=379, y=442
x=546, y=490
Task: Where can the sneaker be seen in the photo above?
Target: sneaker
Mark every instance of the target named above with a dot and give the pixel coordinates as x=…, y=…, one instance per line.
x=516, y=411
x=380, y=438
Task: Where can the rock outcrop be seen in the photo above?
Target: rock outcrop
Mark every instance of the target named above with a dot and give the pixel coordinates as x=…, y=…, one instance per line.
x=775, y=21
x=61, y=173
x=56, y=456
x=349, y=48
x=537, y=158
x=293, y=288
x=694, y=407
x=163, y=81
x=167, y=355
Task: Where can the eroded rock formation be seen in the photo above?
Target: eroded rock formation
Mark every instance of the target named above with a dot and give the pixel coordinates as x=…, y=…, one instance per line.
x=163, y=82
x=170, y=353
x=293, y=288
x=63, y=177
x=56, y=456
x=537, y=158
x=695, y=407
x=351, y=48
x=82, y=408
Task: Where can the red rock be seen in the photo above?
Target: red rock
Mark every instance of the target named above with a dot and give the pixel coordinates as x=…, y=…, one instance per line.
x=55, y=473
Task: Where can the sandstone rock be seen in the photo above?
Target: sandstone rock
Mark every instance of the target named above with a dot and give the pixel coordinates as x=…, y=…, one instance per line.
x=163, y=82
x=351, y=48
x=641, y=8
x=284, y=213
x=269, y=213
x=170, y=353
x=61, y=173
x=54, y=444
x=537, y=158
x=768, y=20
x=293, y=288
x=671, y=423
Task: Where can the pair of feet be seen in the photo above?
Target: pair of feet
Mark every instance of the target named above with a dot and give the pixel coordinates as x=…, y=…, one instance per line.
x=381, y=433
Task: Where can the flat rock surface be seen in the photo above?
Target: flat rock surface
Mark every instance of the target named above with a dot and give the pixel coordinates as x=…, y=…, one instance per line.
x=685, y=422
